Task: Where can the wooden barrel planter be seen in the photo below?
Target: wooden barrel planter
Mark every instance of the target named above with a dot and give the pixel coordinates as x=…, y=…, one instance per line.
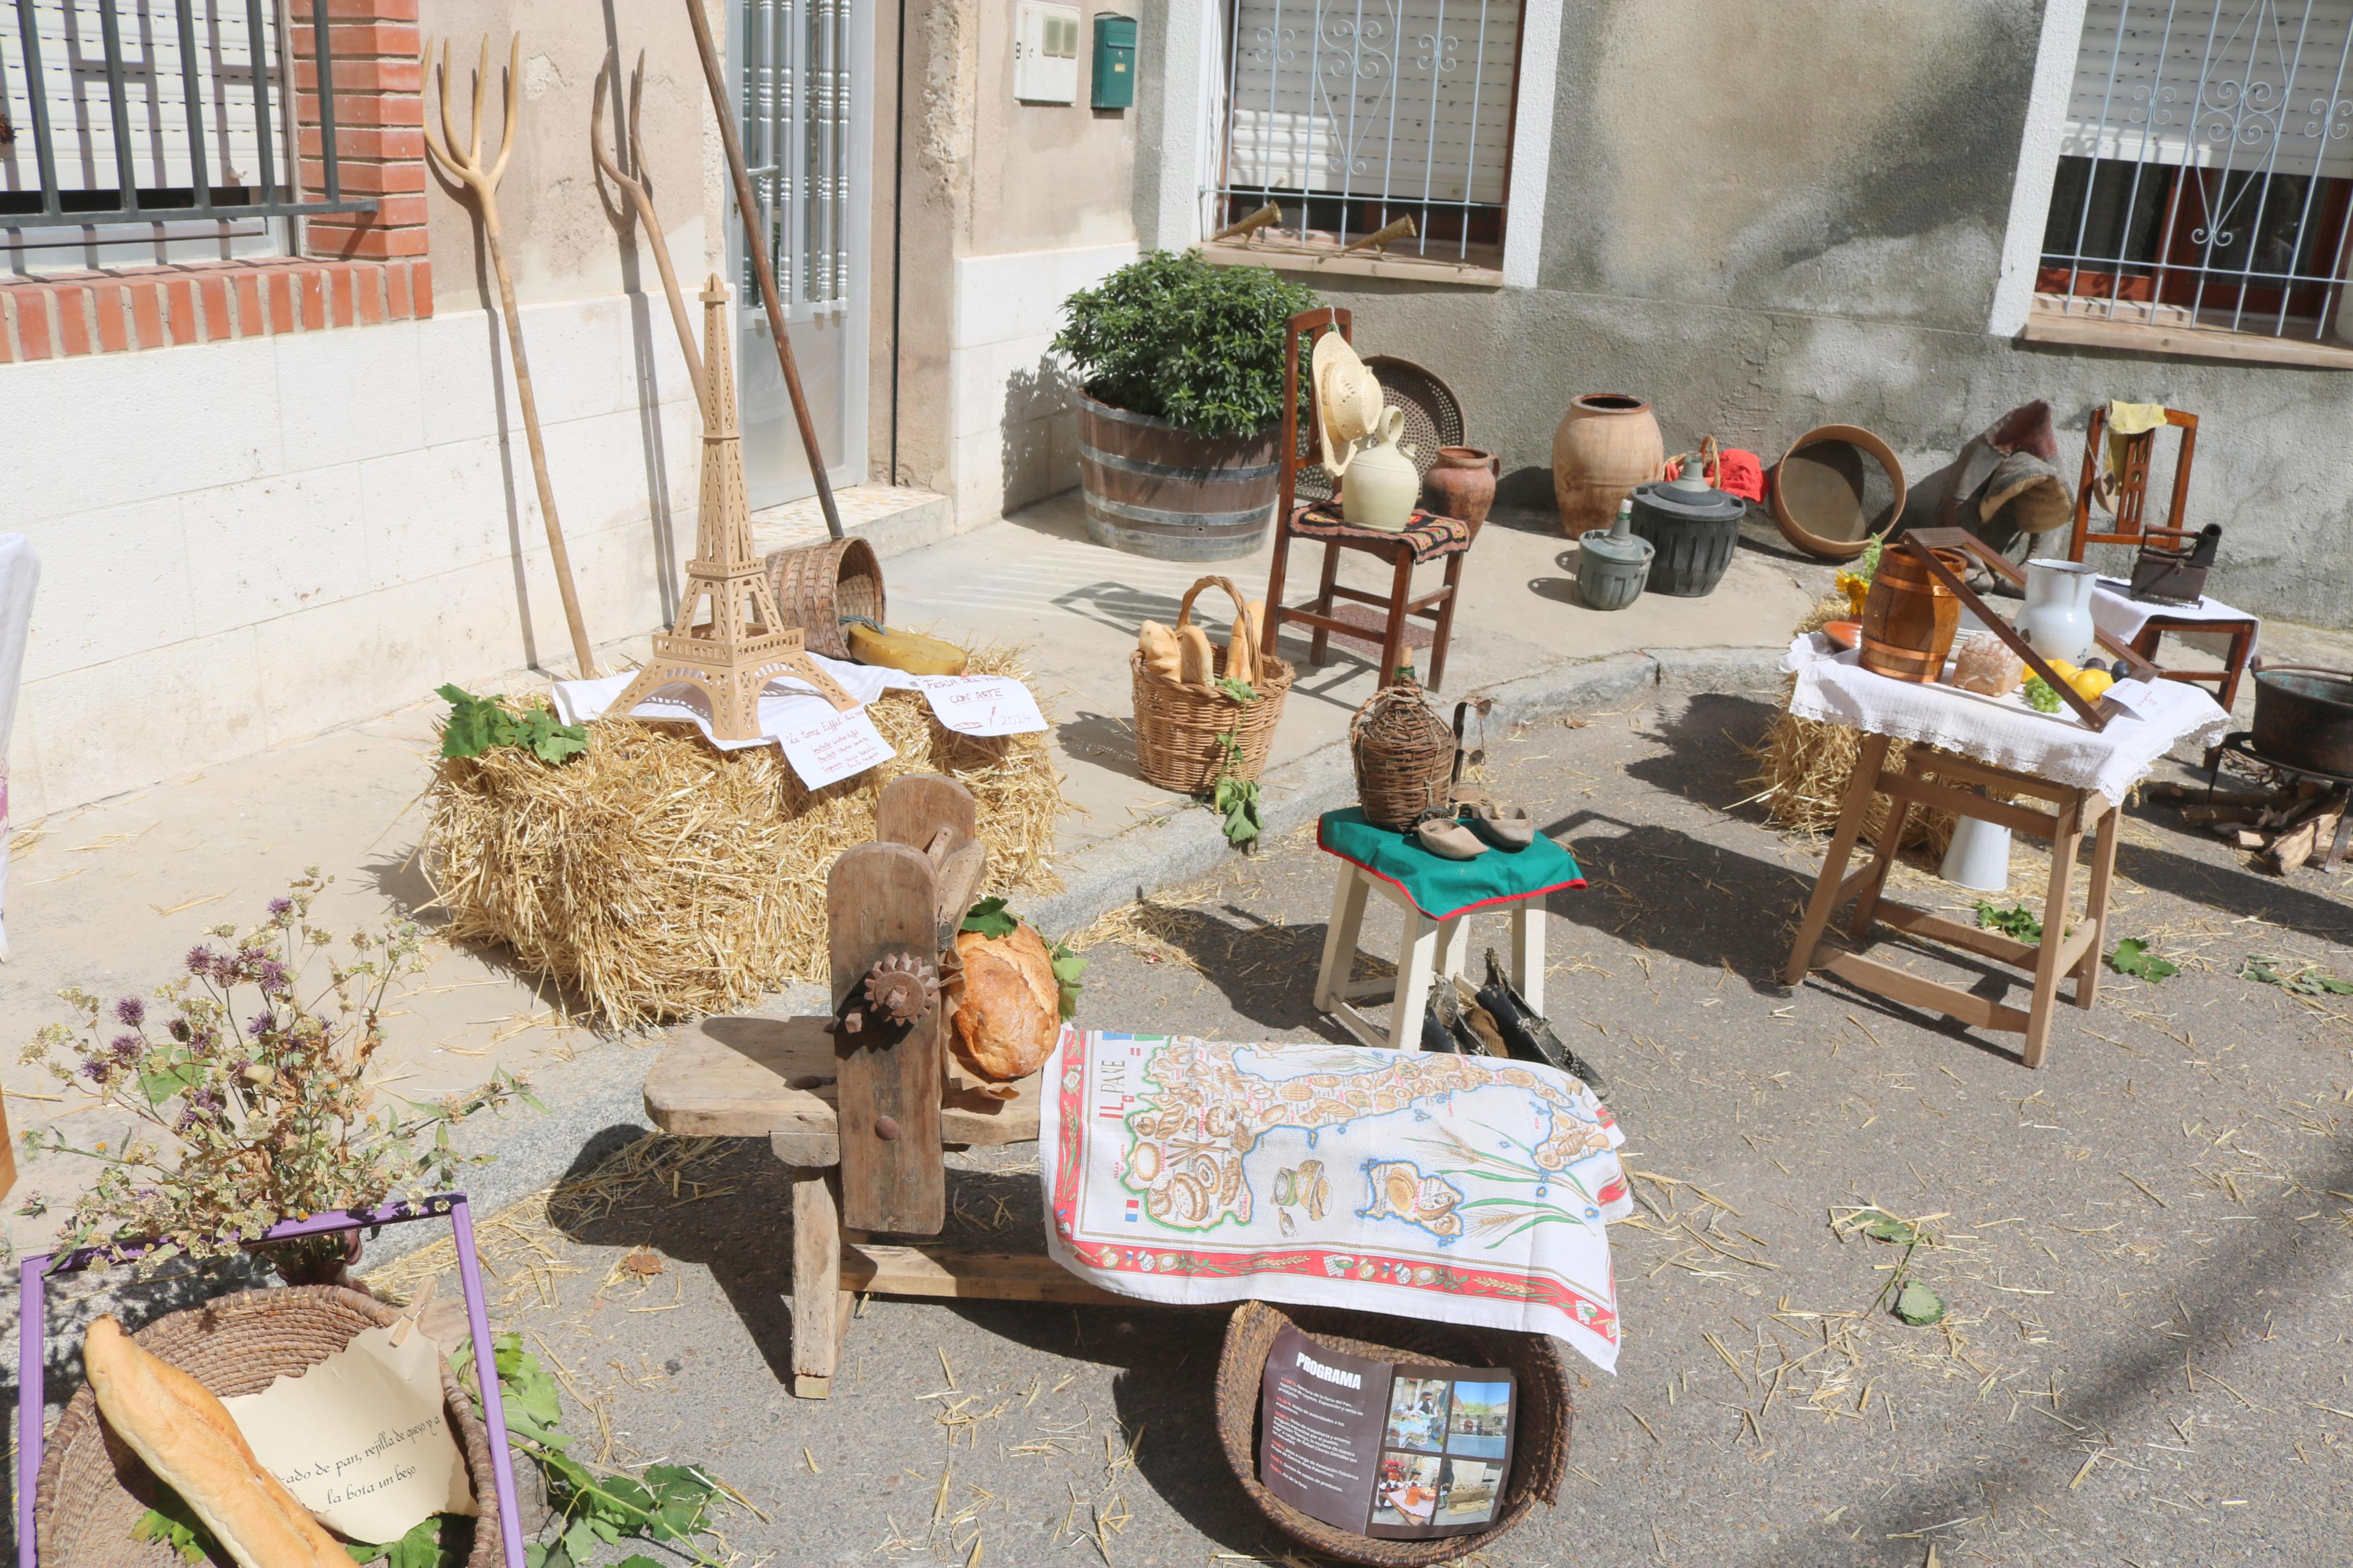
x=1153, y=490
x=1909, y=618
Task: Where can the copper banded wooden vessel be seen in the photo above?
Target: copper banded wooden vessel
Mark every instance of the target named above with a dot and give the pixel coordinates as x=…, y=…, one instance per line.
x=1909, y=618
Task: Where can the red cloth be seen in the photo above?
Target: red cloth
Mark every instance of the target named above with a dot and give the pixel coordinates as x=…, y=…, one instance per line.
x=1741, y=474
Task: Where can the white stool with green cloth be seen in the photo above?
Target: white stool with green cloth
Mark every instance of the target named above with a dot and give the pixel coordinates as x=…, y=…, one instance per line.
x=1436, y=896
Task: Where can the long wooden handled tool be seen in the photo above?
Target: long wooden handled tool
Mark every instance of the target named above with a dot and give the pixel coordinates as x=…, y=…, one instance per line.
x=641, y=202
x=468, y=169
x=755, y=246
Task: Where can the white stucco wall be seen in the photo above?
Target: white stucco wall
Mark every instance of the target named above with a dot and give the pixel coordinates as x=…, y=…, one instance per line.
x=245, y=543
x=1013, y=437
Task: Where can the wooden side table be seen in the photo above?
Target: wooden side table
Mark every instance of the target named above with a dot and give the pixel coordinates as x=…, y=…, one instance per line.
x=2226, y=679
x=2073, y=813
x=1431, y=950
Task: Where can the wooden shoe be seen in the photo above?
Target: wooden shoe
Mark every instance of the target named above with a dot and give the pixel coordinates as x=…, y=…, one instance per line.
x=1506, y=827
x=1442, y=835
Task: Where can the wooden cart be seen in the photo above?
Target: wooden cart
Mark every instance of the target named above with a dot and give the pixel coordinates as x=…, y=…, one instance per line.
x=856, y=1103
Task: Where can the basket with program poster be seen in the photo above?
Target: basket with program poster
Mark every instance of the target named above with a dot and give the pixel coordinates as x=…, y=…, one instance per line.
x=1389, y=1441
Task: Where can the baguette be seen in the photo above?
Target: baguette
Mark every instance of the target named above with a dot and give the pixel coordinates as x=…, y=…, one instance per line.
x=1159, y=644
x=187, y=1437
x=1241, y=653
x=1197, y=665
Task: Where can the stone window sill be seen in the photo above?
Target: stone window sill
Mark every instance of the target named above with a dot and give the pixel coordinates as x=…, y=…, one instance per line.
x=1327, y=261
x=2052, y=323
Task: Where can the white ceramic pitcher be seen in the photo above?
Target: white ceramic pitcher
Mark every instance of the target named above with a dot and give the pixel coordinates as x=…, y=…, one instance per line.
x=2058, y=615
x=1381, y=486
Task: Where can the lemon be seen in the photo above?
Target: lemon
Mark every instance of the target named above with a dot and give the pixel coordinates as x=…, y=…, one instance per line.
x=2091, y=684
x=2063, y=669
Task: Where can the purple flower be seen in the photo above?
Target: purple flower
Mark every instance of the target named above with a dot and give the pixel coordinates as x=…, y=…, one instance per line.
x=263, y=1022
x=132, y=1011
x=97, y=1071
x=272, y=977
x=202, y=960
x=279, y=907
x=127, y=1048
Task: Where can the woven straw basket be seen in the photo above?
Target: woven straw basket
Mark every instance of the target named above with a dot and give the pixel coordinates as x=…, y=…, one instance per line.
x=1539, y=1450
x=1404, y=755
x=819, y=587
x=1178, y=726
x=93, y=1489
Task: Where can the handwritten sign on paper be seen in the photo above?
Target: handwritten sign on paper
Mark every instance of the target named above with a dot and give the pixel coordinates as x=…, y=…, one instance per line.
x=982, y=704
x=361, y=1439
x=828, y=746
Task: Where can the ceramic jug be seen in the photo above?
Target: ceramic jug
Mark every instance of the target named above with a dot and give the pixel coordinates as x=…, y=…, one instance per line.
x=2058, y=615
x=1462, y=483
x=1381, y=484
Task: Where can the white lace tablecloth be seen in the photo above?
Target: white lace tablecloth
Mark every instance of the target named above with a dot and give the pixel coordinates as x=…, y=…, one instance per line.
x=1834, y=688
x=2116, y=611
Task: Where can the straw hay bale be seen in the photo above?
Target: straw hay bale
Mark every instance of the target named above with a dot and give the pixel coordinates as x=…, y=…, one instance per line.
x=655, y=876
x=1804, y=765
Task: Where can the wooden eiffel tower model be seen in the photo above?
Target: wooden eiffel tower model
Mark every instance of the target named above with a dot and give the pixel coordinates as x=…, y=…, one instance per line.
x=733, y=653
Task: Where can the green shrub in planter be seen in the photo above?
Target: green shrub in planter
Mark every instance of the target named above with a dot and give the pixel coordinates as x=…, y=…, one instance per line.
x=1172, y=336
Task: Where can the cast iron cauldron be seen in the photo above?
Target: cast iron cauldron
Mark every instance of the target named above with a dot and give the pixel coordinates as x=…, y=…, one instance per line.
x=2303, y=717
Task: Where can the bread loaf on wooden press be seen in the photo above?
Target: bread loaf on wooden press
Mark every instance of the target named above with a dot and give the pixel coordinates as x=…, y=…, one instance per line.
x=187, y=1437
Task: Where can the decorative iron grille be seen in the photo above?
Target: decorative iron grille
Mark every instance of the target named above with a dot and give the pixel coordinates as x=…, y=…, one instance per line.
x=1350, y=114
x=2205, y=165
x=796, y=142
x=144, y=114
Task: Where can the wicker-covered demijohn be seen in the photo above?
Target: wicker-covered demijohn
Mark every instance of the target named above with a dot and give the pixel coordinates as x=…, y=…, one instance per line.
x=821, y=587
x=92, y=1489
x=1404, y=755
x=1540, y=1432
x=1177, y=725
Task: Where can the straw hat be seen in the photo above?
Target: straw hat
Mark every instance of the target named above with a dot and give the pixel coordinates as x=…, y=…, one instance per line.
x=1347, y=400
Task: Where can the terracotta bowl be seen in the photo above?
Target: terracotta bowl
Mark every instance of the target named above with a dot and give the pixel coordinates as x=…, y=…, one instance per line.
x=1846, y=634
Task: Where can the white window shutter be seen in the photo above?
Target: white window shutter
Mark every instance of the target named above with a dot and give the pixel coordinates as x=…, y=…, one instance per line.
x=2260, y=86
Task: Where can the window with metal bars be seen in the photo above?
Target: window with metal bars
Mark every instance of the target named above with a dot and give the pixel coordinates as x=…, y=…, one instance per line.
x=154, y=131
x=1351, y=115
x=797, y=141
x=2206, y=167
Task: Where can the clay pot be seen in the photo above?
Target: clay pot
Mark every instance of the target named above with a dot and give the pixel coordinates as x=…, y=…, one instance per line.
x=1606, y=444
x=1462, y=483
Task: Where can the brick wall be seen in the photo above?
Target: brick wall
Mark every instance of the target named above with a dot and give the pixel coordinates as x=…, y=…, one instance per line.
x=357, y=268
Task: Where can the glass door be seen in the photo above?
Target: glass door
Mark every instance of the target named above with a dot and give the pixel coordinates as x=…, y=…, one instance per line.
x=803, y=72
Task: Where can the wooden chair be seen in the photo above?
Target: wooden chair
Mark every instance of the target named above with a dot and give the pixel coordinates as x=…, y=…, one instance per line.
x=1400, y=551
x=2132, y=528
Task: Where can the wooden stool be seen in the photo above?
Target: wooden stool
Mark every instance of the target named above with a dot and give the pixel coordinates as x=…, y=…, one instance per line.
x=2242, y=634
x=2060, y=953
x=1431, y=949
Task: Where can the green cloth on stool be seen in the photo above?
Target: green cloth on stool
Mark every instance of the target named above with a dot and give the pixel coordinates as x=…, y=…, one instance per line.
x=1442, y=889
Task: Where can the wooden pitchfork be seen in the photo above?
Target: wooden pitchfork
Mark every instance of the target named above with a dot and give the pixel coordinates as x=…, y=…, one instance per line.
x=641, y=202
x=467, y=168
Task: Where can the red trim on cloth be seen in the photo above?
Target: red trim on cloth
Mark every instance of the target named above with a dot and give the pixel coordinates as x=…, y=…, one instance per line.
x=1466, y=909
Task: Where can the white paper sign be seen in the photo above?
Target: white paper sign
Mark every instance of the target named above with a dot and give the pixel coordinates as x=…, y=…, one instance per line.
x=982, y=704
x=361, y=1439
x=828, y=746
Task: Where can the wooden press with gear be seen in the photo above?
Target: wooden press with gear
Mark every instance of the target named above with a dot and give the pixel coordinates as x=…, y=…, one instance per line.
x=863, y=1104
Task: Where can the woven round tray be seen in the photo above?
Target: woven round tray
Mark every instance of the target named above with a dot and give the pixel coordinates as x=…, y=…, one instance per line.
x=93, y=1489
x=819, y=587
x=1539, y=1449
x=1178, y=726
x=1433, y=418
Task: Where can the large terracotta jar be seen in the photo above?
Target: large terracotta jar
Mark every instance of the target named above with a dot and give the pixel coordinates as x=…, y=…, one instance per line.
x=1606, y=444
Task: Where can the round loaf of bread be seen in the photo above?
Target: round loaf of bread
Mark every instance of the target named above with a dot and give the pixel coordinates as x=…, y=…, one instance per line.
x=1006, y=1026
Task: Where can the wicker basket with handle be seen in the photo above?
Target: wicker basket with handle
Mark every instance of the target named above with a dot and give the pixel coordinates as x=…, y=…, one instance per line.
x=820, y=586
x=1178, y=726
x=92, y=1489
x=1539, y=1450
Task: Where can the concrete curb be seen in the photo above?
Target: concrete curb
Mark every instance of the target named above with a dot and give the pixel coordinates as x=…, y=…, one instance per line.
x=595, y=1102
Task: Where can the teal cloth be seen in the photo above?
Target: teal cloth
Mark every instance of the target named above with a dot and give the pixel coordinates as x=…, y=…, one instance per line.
x=1442, y=889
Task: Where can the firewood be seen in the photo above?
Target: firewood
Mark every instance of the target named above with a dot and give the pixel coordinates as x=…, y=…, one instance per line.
x=2243, y=837
x=2294, y=847
x=2290, y=812
x=2198, y=814
x=2168, y=790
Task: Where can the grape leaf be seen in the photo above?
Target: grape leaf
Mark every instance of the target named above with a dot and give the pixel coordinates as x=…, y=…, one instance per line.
x=2132, y=957
x=1918, y=1305
x=2017, y=922
x=1884, y=1225
x=1068, y=968
x=178, y=1529
x=989, y=918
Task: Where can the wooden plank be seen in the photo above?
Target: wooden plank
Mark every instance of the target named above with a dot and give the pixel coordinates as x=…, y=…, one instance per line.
x=1992, y=777
x=2016, y=818
x=1827, y=884
x=2087, y=968
x=773, y=1078
x=881, y=902
x=962, y=875
x=2050, y=326
x=817, y=1280
x=2050, y=962
x=911, y=809
x=1919, y=991
x=880, y=1269
x=1919, y=923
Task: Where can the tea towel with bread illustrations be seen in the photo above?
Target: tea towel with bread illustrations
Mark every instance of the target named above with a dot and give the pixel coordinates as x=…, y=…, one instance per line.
x=1458, y=1189
x=1833, y=687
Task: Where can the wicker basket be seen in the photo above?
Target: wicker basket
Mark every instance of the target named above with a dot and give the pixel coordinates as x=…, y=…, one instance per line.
x=820, y=586
x=93, y=1489
x=1178, y=726
x=1404, y=755
x=1539, y=1451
